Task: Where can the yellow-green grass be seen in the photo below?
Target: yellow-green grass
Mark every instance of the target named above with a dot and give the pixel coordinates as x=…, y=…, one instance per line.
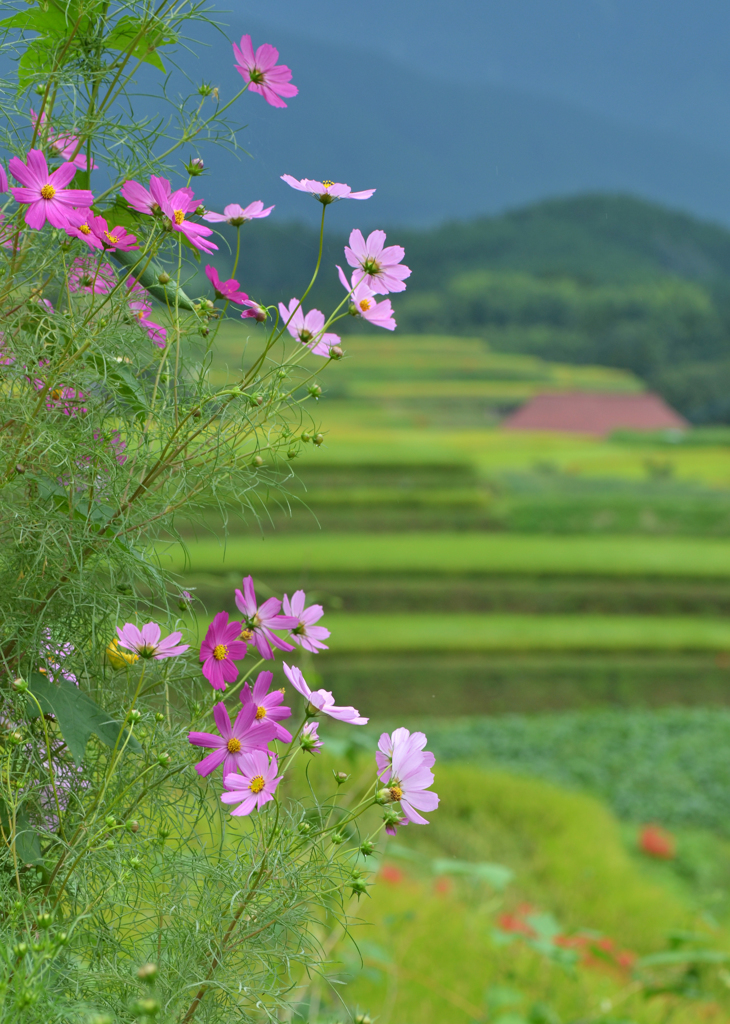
x=457, y=553
x=429, y=955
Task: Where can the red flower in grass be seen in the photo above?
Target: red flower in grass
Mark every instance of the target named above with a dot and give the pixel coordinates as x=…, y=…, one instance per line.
x=657, y=842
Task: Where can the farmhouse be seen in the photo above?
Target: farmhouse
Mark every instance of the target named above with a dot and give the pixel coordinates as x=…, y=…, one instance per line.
x=585, y=412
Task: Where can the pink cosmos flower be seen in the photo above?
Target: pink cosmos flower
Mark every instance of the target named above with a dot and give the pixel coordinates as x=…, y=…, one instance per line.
x=309, y=738
x=149, y=201
x=155, y=332
x=146, y=641
x=235, y=741
x=379, y=314
x=3, y=179
x=326, y=191
x=45, y=192
x=62, y=145
x=405, y=767
x=141, y=307
x=65, y=400
x=54, y=655
x=264, y=75
x=224, y=289
x=220, y=649
x=90, y=277
x=268, y=705
x=381, y=264
x=256, y=784
x=322, y=700
x=176, y=208
x=117, y=238
x=308, y=329
x=255, y=310
x=237, y=215
x=306, y=634
x=259, y=621
x=84, y=225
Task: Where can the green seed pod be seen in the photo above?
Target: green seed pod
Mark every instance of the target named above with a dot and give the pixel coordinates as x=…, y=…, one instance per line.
x=306, y=437
x=319, y=439
x=109, y=844
x=304, y=827
x=359, y=888
x=147, y=973
x=145, y=1008
x=159, y=717
x=134, y=715
x=338, y=838
x=292, y=453
x=110, y=821
x=164, y=760
x=44, y=920
x=367, y=848
x=257, y=461
x=132, y=826
x=340, y=777
x=336, y=352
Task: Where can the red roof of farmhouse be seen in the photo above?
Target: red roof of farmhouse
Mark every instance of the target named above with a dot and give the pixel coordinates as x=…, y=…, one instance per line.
x=584, y=412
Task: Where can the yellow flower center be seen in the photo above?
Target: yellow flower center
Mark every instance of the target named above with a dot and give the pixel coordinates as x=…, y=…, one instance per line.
x=365, y=305
x=246, y=635
x=257, y=784
x=233, y=746
x=117, y=658
x=328, y=184
x=395, y=793
x=48, y=192
x=140, y=316
x=260, y=713
x=220, y=652
x=84, y=229
x=179, y=216
x=112, y=238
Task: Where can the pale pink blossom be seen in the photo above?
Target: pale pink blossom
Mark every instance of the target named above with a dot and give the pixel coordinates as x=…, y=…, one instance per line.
x=264, y=75
x=380, y=264
x=146, y=642
x=256, y=784
x=309, y=738
x=227, y=290
x=235, y=741
x=405, y=768
x=308, y=329
x=322, y=700
x=306, y=634
x=237, y=215
x=325, y=191
x=45, y=191
x=268, y=705
x=260, y=620
x=379, y=314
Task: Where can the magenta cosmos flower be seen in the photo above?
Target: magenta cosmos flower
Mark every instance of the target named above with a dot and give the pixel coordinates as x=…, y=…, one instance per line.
x=326, y=191
x=306, y=634
x=405, y=767
x=176, y=208
x=227, y=290
x=308, y=329
x=259, y=621
x=141, y=307
x=84, y=225
x=379, y=314
x=264, y=75
x=234, y=742
x=380, y=264
x=220, y=649
x=90, y=277
x=4, y=183
x=150, y=200
x=255, y=310
x=146, y=641
x=268, y=705
x=238, y=215
x=256, y=784
x=45, y=192
x=322, y=700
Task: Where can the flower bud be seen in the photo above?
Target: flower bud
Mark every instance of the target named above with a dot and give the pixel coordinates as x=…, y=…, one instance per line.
x=132, y=826
x=195, y=166
x=367, y=848
x=314, y=390
x=304, y=827
x=20, y=469
x=163, y=832
x=147, y=973
x=336, y=352
x=39, y=89
x=20, y=949
x=292, y=453
x=340, y=777
x=306, y=437
x=109, y=844
x=159, y=717
x=19, y=685
x=383, y=796
x=184, y=601
x=200, y=210
x=352, y=309
x=145, y=1008
x=164, y=277
x=101, y=1018
x=164, y=760
x=134, y=715
x=338, y=838
x=15, y=737
x=44, y=921
x=359, y=887
x=61, y=938
x=109, y=821
x=362, y=1018
x=392, y=816
x=135, y=863
x=319, y=439
x=257, y=461
x=204, y=89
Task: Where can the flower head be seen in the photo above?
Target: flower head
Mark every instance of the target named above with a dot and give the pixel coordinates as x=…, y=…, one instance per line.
x=326, y=191
x=380, y=264
x=255, y=310
x=84, y=225
x=117, y=658
x=235, y=741
x=260, y=620
x=306, y=634
x=117, y=238
x=146, y=642
x=45, y=191
x=150, y=200
x=256, y=784
x=268, y=705
x=309, y=738
x=55, y=654
x=405, y=767
x=308, y=329
x=220, y=649
x=264, y=75
x=237, y=215
x=322, y=700
x=224, y=289
x=176, y=208
x=379, y=314
x=90, y=277
x=3, y=179
x=62, y=145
